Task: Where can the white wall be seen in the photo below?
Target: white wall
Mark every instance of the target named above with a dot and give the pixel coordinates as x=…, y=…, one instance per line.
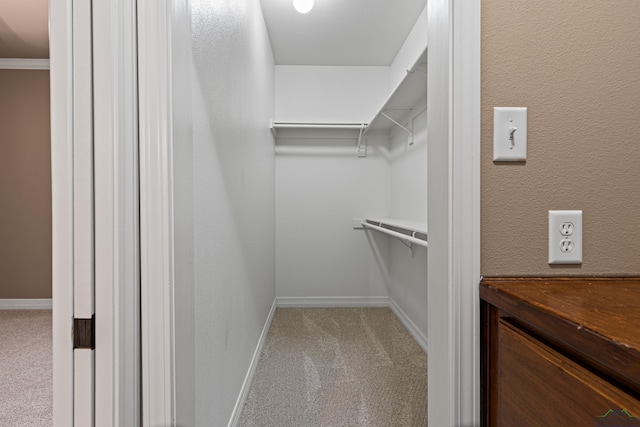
x=183, y=215
x=411, y=49
x=234, y=197
x=408, y=275
x=329, y=93
x=321, y=185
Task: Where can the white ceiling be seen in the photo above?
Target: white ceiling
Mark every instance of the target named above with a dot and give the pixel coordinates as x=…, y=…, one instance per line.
x=335, y=32
x=24, y=28
x=340, y=32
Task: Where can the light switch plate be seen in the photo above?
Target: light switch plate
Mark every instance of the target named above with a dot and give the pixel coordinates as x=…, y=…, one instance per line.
x=509, y=134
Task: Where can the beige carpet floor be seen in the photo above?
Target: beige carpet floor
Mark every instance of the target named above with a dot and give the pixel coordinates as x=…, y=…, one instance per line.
x=26, y=377
x=338, y=367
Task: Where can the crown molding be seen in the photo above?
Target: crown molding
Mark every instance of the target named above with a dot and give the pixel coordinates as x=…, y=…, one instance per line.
x=24, y=64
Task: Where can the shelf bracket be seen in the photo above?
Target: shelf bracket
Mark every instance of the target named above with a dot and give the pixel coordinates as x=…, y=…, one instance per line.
x=417, y=68
x=362, y=149
x=408, y=245
x=420, y=70
x=409, y=131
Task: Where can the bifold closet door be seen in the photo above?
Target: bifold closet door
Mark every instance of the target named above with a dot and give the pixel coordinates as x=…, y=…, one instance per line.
x=83, y=218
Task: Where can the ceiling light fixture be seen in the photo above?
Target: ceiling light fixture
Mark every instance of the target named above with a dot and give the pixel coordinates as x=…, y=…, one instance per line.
x=303, y=6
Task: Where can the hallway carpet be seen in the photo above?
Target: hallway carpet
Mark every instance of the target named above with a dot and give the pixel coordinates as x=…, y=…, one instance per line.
x=26, y=390
x=338, y=367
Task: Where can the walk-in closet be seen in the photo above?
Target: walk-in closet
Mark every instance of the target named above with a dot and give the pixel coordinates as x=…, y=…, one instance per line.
x=351, y=187
x=300, y=213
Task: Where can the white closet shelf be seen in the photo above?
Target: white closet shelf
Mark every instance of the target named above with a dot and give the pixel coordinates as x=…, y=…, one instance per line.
x=405, y=99
x=314, y=125
x=402, y=104
x=409, y=232
x=297, y=130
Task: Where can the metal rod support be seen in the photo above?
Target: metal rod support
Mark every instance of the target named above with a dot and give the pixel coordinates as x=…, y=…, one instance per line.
x=397, y=124
x=359, y=149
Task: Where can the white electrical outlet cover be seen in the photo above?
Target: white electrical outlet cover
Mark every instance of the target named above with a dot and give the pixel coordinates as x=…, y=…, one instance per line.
x=565, y=237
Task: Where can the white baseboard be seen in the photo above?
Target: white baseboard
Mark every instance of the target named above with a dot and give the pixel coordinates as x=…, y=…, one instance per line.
x=417, y=335
x=25, y=304
x=248, y=379
x=321, y=302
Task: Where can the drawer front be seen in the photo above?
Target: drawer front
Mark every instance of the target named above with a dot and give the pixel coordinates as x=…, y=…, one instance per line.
x=538, y=386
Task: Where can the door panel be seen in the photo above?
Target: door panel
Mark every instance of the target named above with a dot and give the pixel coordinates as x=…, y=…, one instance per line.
x=83, y=209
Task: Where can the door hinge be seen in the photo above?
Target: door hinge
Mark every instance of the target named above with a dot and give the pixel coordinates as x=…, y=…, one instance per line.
x=84, y=333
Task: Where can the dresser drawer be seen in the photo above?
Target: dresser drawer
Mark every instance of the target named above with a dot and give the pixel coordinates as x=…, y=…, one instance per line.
x=539, y=386
x=560, y=351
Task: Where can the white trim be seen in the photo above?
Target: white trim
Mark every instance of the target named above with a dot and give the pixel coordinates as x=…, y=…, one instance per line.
x=84, y=408
x=466, y=210
x=117, y=356
x=26, y=304
x=302, y=302
x=251, y=372
x=83, y=236
x=24, y=64
x=453, y=119
x=60, y=25
x=411, y=327
x=156, y=210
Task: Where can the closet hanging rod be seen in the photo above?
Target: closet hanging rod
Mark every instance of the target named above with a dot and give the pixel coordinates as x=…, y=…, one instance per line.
x=403, y=237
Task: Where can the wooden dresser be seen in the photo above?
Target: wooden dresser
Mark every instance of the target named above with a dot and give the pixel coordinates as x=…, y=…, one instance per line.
x=560, y=352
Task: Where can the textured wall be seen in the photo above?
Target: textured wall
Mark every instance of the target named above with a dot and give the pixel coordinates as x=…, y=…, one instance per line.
x=576, y=66
x=321, y=184
x=408, y=275
x=411, y=49
x=233, y=199
x=25, y=185
x=329, y=94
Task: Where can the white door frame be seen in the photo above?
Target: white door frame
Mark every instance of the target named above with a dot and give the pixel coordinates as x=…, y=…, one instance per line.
x=156, y=210
x=118, y=384
x=453, y=123
x=117, y=351
x=454, y=249
x=60, y=51
x=164, y=73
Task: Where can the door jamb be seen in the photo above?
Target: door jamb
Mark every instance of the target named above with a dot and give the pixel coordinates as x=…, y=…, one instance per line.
x=453, y=115
x=156, y=210
x=117, y=241
x=60, y=48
